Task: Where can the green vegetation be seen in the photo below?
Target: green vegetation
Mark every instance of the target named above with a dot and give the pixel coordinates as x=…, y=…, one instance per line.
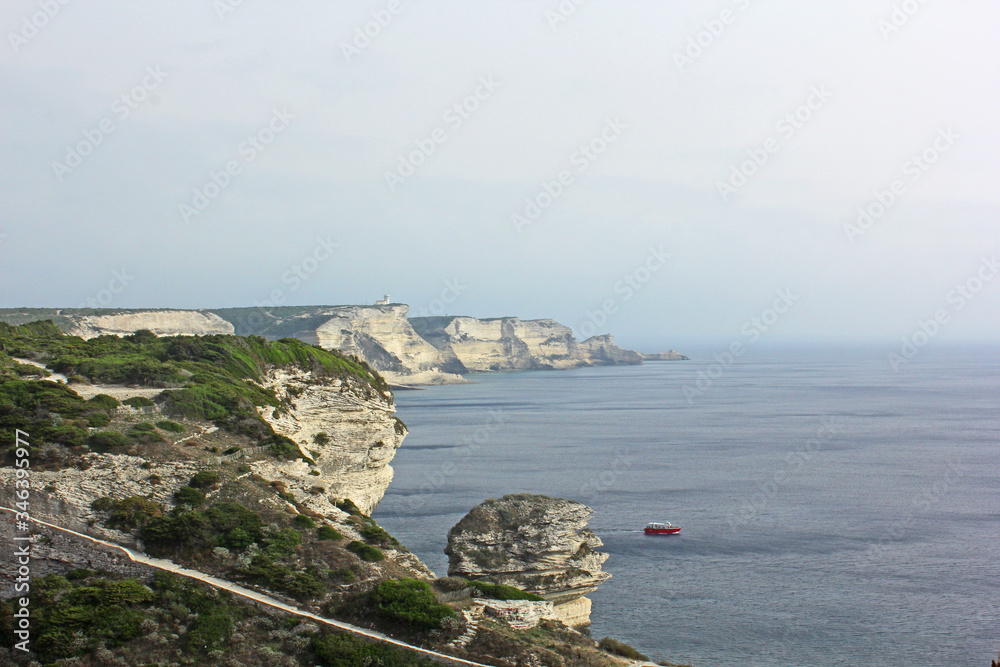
x=328, y=533
x=189, y=496
x=205, y=479
x=366, y=552
x=501, y=592
x=411, y=603
x=304, y=521
x=215, y=378
x=128, y=513
x=344, y=650
x=139, y=402
x=170, y=426
x=616, y=647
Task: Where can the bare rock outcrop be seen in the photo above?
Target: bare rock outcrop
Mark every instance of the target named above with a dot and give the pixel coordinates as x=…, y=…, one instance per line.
x=536, y=543
x=603, y=351
x=160, y=322
x=349, y=430
x=669, y=355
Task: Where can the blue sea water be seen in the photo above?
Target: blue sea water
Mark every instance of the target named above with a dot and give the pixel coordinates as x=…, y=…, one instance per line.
x=834, y=511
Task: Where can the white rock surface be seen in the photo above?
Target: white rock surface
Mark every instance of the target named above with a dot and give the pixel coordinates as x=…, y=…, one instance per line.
x=160, y=322
x=361, y=433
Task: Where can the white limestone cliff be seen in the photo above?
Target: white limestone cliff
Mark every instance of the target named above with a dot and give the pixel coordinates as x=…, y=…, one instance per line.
x=160, y=322
x=349, y=430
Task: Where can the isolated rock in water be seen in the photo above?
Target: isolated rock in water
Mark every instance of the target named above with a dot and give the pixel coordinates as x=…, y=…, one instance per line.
x=669, y=355
x=536, y=543
x=603, y=351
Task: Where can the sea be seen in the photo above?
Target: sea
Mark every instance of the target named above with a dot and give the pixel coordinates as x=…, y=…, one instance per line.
x=835, y=510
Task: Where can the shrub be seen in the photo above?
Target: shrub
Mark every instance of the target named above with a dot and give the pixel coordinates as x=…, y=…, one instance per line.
x=451, y=584
x=98, y=419
x=328, y=533
x=501, y=592
x=189, y=496
x=333, y=649
x=143, y=427
x=104, y=402
x=169, y=425
x=347, y=505
x=375, y=533
x=127, y=513
x=139, y=402
x=616, y=647
x=283, y=447
x=303, y=521
x=107, y=441
x=321, y=438
x=205, y=479
x=345, y=574
x=366, y=552
x=410, y=602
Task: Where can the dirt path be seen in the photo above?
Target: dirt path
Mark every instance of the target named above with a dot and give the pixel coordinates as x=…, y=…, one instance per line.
x=236, y=589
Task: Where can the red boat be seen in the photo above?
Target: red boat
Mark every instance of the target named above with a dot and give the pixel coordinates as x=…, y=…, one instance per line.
x=662, y=529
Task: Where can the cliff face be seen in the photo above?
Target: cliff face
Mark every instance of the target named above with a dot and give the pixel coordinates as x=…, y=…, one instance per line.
x=160, y=322
x=509, y=343
x=536, y=543
x=351, y=434
x=384, y=337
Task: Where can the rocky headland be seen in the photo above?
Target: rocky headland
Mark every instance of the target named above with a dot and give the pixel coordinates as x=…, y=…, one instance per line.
x=537, y=543
x=405, y=351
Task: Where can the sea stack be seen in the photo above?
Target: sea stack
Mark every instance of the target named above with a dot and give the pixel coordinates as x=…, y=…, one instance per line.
x=536, y=543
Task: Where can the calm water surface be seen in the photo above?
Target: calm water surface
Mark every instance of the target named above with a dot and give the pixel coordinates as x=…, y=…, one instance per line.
x=834, y=512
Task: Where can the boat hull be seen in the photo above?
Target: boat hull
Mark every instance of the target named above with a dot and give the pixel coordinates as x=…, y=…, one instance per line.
x=662, y=531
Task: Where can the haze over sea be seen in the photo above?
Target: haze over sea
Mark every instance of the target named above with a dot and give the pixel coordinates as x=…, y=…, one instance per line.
x=834, y=512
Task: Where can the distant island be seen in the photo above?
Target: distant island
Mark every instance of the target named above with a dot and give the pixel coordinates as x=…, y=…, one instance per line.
x=405, y=351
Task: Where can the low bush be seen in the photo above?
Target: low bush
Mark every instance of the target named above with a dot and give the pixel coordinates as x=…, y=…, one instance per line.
x=615, y=647
x=366, y=552
x=339, y=649
x=169, y=425
x=127, y=513
x=303, y=521
x=189, y=496
x=205, y=479
x=105, y=442
x=138, y=402
x=328, y=533
x=410, y=602
x=501, y=592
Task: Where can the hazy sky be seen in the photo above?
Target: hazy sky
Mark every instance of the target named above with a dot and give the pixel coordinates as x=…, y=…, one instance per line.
x=688, y=161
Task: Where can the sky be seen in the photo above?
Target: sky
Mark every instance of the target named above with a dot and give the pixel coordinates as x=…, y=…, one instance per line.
x=754, y=171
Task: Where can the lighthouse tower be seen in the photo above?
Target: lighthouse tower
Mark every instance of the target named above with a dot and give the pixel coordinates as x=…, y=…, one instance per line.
x=383, y=302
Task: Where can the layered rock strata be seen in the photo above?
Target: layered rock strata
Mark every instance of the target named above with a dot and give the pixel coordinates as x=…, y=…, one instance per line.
x=536, y=543
x=347, y=429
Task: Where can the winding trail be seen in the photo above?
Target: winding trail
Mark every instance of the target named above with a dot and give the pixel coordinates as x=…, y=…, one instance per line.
x=259, y=598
